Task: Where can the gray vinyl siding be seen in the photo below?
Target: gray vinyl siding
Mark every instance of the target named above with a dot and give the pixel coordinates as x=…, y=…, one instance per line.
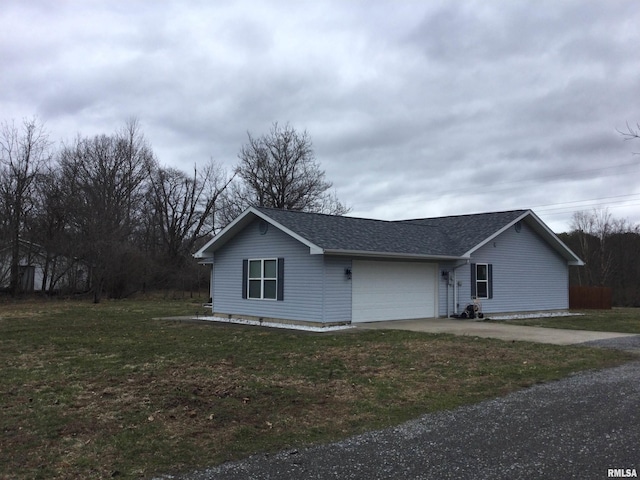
x=443, y=296
x=528, y=275
x=315, y=287
x=337, y=290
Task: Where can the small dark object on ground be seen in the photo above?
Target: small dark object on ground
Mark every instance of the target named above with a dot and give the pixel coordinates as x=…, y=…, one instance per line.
x=471, y=311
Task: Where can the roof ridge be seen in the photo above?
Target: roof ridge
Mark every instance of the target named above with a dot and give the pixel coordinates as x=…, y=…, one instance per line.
x=408, y=220
x=347, y=218
x=521, y=210
x=324, y=214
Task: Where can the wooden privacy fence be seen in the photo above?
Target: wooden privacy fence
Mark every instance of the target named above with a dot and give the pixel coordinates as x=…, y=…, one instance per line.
x=590, y=297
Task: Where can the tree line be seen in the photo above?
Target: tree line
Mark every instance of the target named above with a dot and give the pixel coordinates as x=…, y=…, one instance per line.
x=610, y=248
x=103, y=208
x=102, y=214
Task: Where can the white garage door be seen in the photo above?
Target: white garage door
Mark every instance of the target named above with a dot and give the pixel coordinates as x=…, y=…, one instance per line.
x=392, y=290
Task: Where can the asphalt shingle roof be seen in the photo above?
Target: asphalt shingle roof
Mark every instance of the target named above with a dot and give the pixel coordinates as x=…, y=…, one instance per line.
x=470, y=230
x=443, y=236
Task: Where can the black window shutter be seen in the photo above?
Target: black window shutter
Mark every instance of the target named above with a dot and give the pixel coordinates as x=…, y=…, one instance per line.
x=280, y=294
x=490, y=280
x=245, y=277
x=474, y=286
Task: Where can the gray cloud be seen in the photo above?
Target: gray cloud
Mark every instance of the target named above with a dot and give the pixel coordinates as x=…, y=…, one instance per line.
x=414, y=108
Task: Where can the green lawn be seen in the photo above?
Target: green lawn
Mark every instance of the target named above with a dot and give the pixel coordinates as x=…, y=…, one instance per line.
x=95, y=391
x=624, y=320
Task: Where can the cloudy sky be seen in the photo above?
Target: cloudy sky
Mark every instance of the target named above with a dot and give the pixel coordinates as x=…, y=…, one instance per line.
x=415, y=108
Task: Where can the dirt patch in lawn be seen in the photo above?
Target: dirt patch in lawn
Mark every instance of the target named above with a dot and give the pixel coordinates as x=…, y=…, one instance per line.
x=105, y=391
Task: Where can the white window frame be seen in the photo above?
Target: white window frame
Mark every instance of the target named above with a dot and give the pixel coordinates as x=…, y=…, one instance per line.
x=261, y=278
x=485, y=281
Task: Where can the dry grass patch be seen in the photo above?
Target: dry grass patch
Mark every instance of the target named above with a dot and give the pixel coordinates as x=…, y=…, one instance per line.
x=623, y=320
x=97, y=391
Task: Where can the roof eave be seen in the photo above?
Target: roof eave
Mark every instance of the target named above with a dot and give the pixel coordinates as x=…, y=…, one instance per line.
x=394, y=255
x=242, y=221
x=497, y=233
x=565, y=251
x=541, y=228
x=222, y=237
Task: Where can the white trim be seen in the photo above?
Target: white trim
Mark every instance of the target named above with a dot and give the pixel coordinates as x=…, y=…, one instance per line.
x=223, y=233
x=576, y=260
x=486, y=281
x=499, y=232
x=240, y=222
x=261, y=278
x=313, y=248
x=400, y=256
x=250, y=213
x=541, y=228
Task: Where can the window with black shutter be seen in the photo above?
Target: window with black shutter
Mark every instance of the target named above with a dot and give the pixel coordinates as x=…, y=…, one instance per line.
x=482, y=280
x=263, y=279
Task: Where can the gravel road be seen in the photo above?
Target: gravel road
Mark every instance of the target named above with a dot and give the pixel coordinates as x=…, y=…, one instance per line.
x=578, y=427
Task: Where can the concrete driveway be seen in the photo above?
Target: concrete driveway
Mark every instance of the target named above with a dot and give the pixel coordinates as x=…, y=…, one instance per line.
x=502, y=331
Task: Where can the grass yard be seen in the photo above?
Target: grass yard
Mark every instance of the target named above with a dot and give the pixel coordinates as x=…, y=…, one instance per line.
x=96, y=391
x=624, y=320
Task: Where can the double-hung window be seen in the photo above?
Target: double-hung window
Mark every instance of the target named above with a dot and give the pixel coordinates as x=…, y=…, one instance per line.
x=481, y=280
x=263, y=278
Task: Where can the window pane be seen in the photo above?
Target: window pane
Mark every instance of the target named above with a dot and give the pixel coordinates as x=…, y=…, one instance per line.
x=482, y=289
x=254, y=288
x=269, y=269
x=255, y=268
x=270, y=289
x=481, y=272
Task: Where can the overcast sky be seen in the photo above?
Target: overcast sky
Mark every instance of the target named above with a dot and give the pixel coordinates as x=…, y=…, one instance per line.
x=415, y=108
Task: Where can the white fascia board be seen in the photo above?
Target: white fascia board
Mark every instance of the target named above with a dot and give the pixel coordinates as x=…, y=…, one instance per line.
x=496, y=234
x=221, y=235
x=540, y=227
x=573, y=258
x=240, y=222
x=399, y=256
x=313, y=248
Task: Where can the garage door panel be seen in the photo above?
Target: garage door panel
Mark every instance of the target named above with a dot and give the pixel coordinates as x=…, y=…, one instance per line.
x=392, y=290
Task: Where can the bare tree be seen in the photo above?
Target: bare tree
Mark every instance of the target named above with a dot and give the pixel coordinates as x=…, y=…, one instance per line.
x=594, y=231
x=233, y=201
x=105, y=177
x=610, y=248
x=184, y=207
x=279, y=170
x=48, y=227
x=630, y=133
x=24, y=153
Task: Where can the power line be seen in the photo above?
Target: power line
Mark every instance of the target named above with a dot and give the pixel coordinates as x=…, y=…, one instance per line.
x=594, y=207
x=557, y=208
x=586, y=205
x=586, y=200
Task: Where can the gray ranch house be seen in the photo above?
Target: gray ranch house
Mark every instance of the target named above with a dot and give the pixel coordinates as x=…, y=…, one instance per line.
x=306, y=267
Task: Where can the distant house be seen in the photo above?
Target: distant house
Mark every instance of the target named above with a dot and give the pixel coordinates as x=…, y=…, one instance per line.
x=287, y=265
x=40, y=270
